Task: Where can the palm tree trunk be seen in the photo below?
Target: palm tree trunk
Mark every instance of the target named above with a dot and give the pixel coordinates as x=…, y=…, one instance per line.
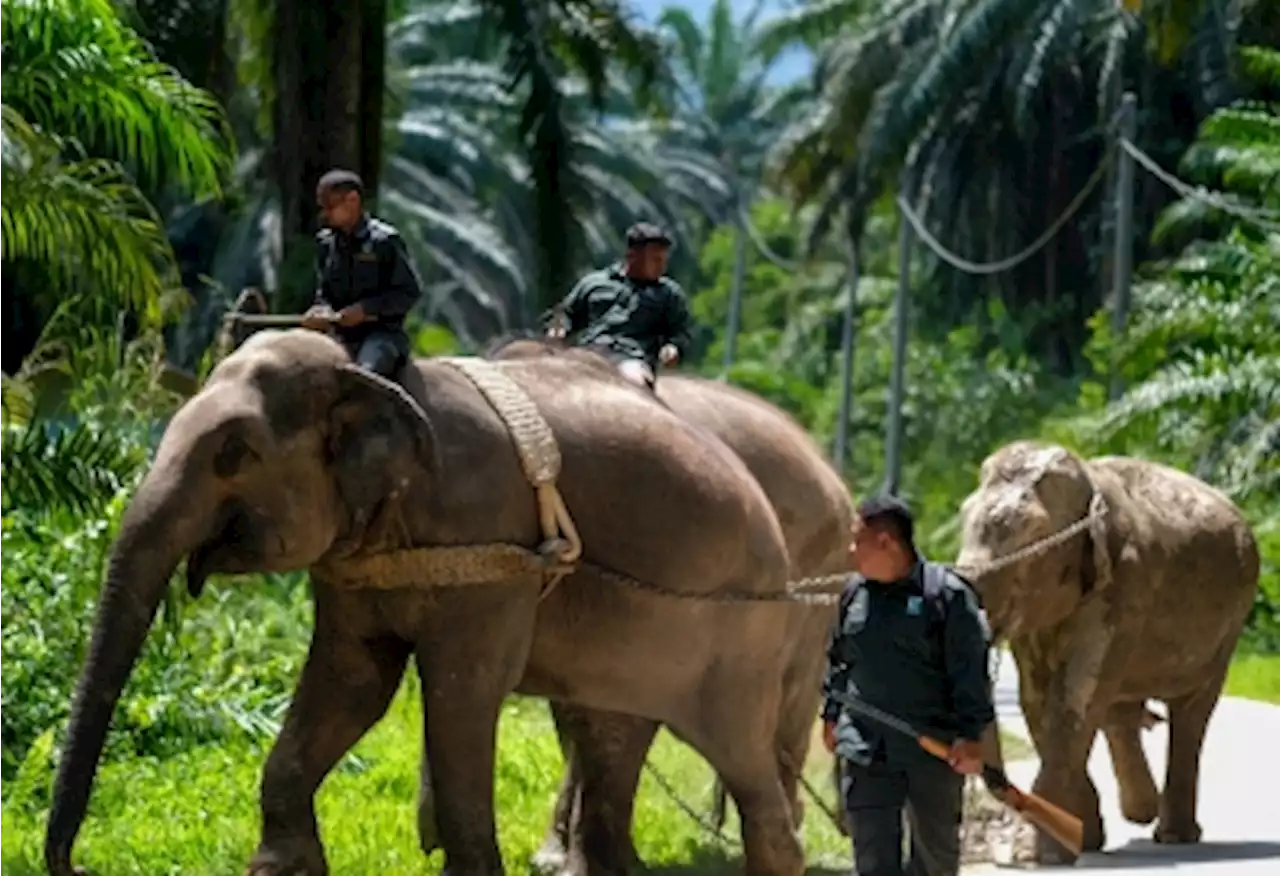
x=329, y=76
x=735, y=293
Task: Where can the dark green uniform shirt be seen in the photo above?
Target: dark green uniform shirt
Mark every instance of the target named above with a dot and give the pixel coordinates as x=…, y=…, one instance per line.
x=369, y=266
x=609, y=309
x=918, y=655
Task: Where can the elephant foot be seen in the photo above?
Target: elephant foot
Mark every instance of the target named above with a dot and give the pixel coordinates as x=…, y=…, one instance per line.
x=294, y=858
x=550, y=858
x=1050, y=853
x=1174, y=832
x=1139, y=808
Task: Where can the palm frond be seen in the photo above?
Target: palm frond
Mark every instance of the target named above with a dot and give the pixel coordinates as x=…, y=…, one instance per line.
x=72, y=67
x=79, y=468
x=84, y=222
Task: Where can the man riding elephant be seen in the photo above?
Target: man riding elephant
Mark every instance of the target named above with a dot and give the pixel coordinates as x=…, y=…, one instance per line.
x=364, y=272
x=631, y=309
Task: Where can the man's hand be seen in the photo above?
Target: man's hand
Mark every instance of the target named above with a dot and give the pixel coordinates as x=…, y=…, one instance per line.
x=829, y=736
x=353, y=315
x=966, y=757
x=318, y=318
x=668, y=354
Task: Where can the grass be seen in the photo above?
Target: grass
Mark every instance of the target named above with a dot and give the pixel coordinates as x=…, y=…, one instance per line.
x=198, y=813
x=1255, y=676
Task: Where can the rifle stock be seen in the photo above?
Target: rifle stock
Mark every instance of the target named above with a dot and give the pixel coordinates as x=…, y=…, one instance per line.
x=1053, y=820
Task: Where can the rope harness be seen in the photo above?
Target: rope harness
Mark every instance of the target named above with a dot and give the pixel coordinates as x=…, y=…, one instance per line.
x=561, y=551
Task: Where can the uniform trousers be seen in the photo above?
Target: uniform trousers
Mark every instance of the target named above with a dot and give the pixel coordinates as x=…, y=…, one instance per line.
x=875, y=797
x=384, y=351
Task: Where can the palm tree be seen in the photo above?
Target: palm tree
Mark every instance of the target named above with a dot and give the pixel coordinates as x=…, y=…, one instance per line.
x=89, y=115
x=993, y=115
x=461, y=187
x=311, y=80
x=725, y=108
x=1202, y=348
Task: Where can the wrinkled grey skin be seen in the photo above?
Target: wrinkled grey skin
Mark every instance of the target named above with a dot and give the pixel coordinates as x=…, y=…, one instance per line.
x=591, y=829
x=1091, y=645
x=290, y=458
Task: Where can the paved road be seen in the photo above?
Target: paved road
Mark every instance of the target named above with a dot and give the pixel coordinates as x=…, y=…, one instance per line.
x=1239, y=807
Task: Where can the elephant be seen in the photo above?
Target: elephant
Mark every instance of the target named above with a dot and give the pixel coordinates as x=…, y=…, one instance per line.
x=1114, y=580
x=292, y=458
x=591, y=829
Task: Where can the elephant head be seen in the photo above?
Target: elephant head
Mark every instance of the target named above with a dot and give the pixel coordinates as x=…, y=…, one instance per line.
x=1041, y=500
x=287, y=454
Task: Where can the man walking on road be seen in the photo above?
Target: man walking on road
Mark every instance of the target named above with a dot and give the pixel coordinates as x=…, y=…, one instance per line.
x=911, y=640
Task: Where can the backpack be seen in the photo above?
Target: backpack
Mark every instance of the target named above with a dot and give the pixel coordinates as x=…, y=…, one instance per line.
x=935, y=588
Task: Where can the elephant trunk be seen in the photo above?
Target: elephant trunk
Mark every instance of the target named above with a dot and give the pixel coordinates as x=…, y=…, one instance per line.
x=142, y=561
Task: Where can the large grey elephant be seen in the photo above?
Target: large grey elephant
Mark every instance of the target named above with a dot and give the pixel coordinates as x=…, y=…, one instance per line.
x=290, y=458
x=591, y=829
x=1115, y=580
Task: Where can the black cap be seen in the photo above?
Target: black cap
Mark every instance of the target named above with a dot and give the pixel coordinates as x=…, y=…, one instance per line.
x=340, y=180
x=646, y=232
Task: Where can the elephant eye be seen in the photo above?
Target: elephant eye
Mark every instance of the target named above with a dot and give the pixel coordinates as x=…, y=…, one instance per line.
x=232, y=456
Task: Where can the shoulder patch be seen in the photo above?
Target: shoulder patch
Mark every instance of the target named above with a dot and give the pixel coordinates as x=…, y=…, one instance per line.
x=382, y=228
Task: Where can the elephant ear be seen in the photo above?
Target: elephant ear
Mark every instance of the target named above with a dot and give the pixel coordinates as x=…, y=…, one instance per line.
x=379, y=439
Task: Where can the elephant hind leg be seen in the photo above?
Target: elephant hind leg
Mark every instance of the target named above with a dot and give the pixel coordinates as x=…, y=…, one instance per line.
x=1139, y=798
x=1188, y=719
x=736, y=736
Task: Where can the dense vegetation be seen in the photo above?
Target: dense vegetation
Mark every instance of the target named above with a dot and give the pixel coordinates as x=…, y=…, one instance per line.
x=145, y=176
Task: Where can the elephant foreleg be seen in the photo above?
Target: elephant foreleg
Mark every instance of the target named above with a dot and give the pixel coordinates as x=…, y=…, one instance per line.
x=1063, y=736
x=1188, y=719
x=608, y=751
x=345, y=688
x=466, y=674
x=553, y=855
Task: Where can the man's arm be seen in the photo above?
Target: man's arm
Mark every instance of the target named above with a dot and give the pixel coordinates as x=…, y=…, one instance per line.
x=966, y=643
x=836, y=679
x=402, y=287
x=679, y=319
x=573, y=307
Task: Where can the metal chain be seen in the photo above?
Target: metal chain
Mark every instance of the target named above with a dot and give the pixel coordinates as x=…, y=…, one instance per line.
x=722, y=838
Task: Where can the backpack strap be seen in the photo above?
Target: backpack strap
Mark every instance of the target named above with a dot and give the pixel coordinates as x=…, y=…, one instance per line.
x=935, y=590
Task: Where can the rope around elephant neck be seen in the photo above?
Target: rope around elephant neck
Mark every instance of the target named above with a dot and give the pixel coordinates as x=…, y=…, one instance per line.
x=1092, y=521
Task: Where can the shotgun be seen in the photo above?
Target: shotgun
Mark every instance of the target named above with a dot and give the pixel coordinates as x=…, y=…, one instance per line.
x=1053, y=820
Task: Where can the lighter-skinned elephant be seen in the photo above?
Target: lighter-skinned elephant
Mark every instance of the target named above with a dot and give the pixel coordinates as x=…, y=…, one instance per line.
x=604, y=752
x=290, y=458
x=1115, y=581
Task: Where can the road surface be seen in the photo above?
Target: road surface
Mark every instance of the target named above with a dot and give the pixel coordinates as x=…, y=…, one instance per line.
x=1239, y=807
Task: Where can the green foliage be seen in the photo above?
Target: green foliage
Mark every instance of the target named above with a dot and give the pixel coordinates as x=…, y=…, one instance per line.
x=72, y=67
x=1200, y=355
x=964, y=397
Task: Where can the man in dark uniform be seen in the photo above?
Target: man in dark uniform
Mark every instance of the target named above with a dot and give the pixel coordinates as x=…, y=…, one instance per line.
x=631, y=310
x=911, y=640
x=363, y=272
